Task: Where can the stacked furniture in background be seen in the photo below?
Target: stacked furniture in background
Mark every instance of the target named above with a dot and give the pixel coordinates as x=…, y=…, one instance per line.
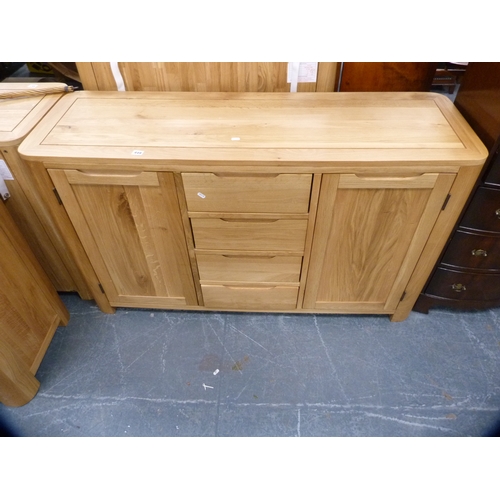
x=467, y=275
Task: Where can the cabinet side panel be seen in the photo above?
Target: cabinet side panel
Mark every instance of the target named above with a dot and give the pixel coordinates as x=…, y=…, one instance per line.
x=27, y=220
x=459, y=192
x=26, y=317
x=30, y=309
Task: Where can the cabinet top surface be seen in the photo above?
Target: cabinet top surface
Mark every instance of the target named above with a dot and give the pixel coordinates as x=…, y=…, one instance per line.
x=273, y=128
x=19, y=115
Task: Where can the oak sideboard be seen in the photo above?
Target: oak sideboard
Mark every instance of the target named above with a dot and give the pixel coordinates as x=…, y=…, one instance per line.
x=290, y=202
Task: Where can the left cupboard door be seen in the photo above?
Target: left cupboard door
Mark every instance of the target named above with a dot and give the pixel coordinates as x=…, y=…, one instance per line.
x=131, y=228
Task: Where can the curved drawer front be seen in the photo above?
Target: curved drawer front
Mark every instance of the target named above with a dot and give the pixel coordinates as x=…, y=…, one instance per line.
x=464, y=286
x=250, y=297
x=484, y=211
x=283, y=193
x=236, y=234
x=473, y=252
x=249, y=268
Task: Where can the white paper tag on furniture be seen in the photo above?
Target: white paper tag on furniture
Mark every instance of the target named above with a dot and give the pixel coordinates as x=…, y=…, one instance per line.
x=120, y=85
x=5, y=173
x=4, y=192
x=304, y=72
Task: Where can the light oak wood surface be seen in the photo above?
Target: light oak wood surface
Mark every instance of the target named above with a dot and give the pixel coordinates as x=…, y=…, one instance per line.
x=132, y=232
x=203, y=76
x=198, y=128
x=250, y=297
x=374, y=234
x=17, y=118
x=279, y=193
x=354, y=186
x=30, y=312
x=250, y=268
x=251, y=234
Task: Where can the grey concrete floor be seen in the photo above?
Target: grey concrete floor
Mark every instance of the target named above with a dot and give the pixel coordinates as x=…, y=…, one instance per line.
x=168, y=373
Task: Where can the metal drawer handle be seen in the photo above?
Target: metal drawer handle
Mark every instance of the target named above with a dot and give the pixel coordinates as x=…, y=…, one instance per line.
x=479, y=253
x=458, y=287
x=497, y=212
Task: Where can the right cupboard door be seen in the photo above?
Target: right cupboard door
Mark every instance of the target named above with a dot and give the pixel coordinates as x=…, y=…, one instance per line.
x=369, y=234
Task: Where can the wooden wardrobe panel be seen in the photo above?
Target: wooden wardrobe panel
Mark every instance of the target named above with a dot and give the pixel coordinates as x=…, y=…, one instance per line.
x=387, y=76
x=203, y=76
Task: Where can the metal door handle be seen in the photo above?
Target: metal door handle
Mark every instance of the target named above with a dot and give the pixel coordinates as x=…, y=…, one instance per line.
x=479, y=253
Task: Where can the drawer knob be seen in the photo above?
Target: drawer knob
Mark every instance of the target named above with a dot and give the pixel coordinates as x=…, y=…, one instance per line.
x=497, y=212
x=458, y=287
x=479, y=253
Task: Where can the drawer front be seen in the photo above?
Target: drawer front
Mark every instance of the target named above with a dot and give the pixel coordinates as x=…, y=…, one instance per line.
x=464, y=286
x=284, y=193
x=237, y=234
x=484, y=211
x=249, y=268
x=250, y=298
x=473, y=251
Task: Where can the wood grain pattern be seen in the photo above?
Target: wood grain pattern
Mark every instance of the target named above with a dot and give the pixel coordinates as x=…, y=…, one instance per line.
x=382, y=166
x=27, y=220
x=30, y=312
x=134, y=234
x=203, y=76
x=227, y=234
x=459, y=192
x=253, y=268
x=250, y=297
x=195, y=130
x=479, y=100
x=311, y=224
x=370, y=240
x=208, y=192
x=132, y=179
x=188, y=234
x=427, y=221
x=387, y=76
x=17, y=118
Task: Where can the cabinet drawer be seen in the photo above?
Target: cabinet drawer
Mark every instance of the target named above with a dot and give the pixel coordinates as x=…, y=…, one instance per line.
x=283, y=193
x=250, y=298
x=473, y=251
x=249, y=268
x=484, y=211
x=261, y=234
x=493, y=176
x=464, y=286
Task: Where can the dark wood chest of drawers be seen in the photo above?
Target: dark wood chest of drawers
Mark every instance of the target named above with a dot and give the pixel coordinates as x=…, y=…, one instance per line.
x=468, y=273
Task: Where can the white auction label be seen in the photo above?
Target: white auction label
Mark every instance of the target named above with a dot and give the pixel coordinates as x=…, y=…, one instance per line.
x=5, y=173
x=307, y=73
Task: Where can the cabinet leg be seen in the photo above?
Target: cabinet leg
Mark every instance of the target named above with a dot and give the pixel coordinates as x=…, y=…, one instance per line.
x=18, y=385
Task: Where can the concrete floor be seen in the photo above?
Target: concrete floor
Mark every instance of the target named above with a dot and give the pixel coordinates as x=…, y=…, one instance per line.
x=166, y=373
